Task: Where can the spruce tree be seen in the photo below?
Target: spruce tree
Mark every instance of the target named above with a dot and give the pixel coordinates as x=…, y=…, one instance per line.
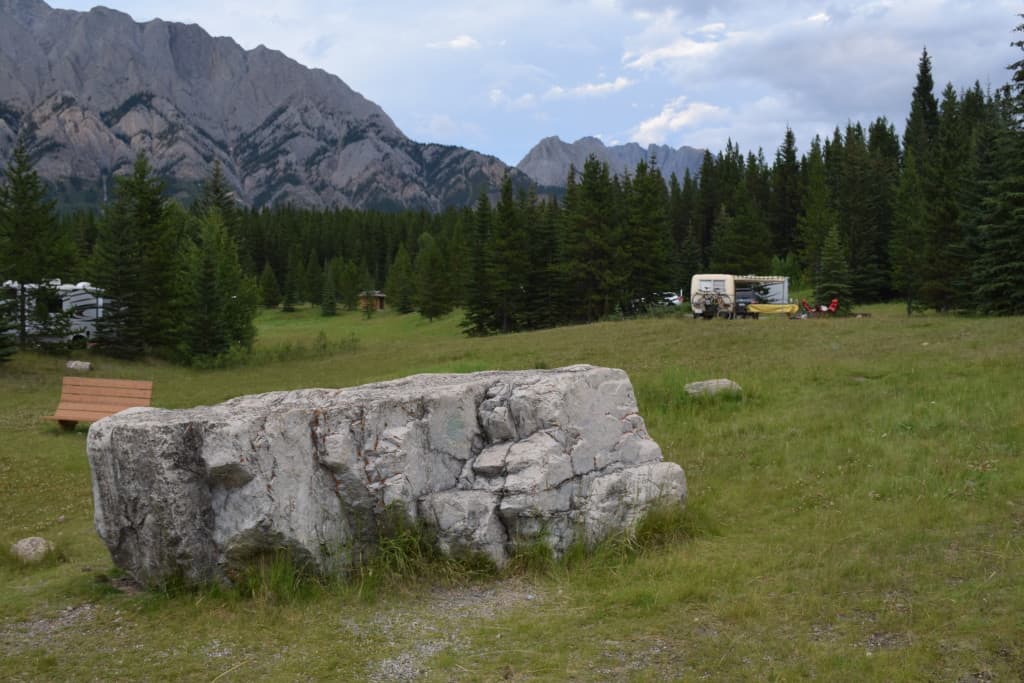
x=401, y=285
x=906, y=249
x=328, y=297
x=136, y=262
x=817, y=216
x=432, y=299
x=479, y=313
x=270, y=291
x=784, y=205
x=833, y=281
x=999, y=269
x=508, y=262
x=33, y=249
x=313, y=285
x=222, y=300
x=649, y=241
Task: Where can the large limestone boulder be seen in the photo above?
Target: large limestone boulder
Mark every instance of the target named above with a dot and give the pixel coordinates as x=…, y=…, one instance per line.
x=488, y=460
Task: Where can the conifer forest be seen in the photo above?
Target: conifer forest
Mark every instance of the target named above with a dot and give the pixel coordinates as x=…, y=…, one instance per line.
x=932, y=216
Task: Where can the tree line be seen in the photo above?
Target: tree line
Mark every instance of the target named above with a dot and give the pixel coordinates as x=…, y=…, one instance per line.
x=933, y=218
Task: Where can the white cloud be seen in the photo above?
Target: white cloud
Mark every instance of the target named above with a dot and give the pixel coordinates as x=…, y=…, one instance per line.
x=681, y=48
x=819, y=18
x=712, y=28
x=588, y=89
x=674, y=116
x=499, y=98
x=462, y=42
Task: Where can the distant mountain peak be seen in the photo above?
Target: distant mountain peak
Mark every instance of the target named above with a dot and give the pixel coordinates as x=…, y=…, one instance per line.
x=548, y=162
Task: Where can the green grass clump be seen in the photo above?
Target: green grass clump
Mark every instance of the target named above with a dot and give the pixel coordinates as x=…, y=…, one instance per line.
x=855, y=514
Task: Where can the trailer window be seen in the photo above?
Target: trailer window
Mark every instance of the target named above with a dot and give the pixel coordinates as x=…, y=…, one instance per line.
x=712, y=285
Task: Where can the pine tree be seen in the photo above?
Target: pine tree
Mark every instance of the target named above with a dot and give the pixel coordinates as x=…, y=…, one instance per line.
x=479, y=311
x=999, y=269
x=923, y=121
x=401, y=286
x=507, y=264
x=216, y=194
x=328, y=297
x=742, y=242
x=784, y=205
x=269, y=289
x=33, y=249
x=817, y=216
x=906, y=250
x=349, y=285
x=313, y=285
x=136, y=262
x=432, y=299
x=294, y=281
x=649, y=243
x=946, y=266
x=834, y=279
x=222, y=299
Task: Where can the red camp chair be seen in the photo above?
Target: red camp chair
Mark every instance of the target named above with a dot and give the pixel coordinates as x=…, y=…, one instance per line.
x=813, y=312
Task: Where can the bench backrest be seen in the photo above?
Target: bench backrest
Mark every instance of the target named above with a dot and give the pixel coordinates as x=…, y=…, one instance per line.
x=85, y=399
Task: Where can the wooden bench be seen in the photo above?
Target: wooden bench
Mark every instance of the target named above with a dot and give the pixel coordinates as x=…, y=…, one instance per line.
x=83, y=399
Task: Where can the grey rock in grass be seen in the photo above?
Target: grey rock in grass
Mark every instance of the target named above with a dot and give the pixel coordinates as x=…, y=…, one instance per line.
x=710, y=387
x=31, y=550
x=486, y=461
x=80, y=365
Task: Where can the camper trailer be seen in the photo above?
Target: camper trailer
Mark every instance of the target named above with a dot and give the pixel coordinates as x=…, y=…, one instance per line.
x=727, y=296
x=82, y=302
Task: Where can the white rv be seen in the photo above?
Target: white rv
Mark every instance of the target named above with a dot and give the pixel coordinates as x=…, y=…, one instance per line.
x=82, y=301
x=727, y=296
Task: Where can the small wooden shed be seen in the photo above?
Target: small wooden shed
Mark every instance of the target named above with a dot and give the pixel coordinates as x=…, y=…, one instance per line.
x=374, y=298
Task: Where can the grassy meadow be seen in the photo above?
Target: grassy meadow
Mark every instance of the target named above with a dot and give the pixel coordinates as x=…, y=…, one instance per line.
x=858, y=514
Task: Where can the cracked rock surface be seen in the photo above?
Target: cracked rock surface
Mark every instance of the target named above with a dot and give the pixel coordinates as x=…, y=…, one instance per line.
x=488, y=460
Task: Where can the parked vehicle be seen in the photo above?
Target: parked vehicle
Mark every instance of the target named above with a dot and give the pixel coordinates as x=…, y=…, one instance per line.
x=81, y=303
x=718, y=294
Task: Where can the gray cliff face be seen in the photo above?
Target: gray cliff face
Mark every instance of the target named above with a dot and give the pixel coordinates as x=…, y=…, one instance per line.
x=92, y=89
x=548, y=162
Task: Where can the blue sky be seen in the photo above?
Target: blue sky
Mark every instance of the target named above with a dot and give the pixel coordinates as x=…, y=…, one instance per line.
x=499, y=77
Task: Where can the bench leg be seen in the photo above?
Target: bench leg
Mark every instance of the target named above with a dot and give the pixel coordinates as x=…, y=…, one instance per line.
x=67, y=425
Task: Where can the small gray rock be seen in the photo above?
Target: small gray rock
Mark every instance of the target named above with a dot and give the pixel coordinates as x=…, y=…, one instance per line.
x=31, y=550
x=710, y=387
x=81, y=365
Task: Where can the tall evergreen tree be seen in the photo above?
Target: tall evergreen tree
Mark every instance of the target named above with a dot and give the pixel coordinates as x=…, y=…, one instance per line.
x=906, y=249
x=269, y=288
x=222, y=300
x=999, y=269
x=479, y=313
x=401, y=284
x=136, y=262
x=817, y=216
x=833, y=281
x=508, y=263
x=432, y=298
x=946, y=265
x=649, y=242
x=784, y=206
x=328, y=297
x=33, y=249
x=923, y=121
x=313, y=285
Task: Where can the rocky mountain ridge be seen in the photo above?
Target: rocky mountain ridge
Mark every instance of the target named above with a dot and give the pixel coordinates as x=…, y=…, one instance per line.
x=549, y=160
x=90, y=90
